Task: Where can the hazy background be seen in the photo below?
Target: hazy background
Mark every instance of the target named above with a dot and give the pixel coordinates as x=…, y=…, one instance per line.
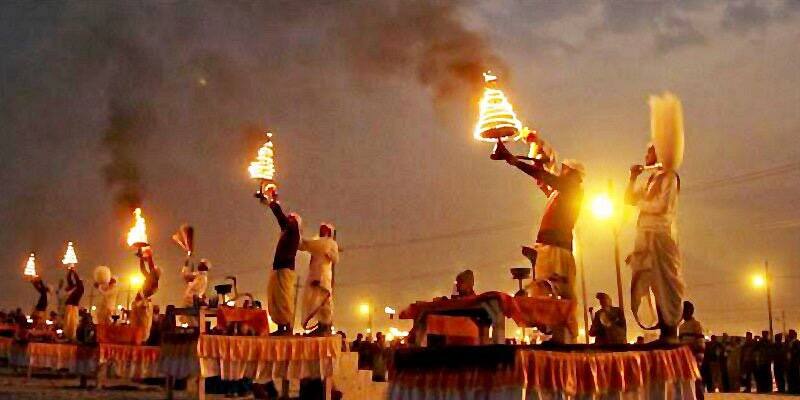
x=104, y=105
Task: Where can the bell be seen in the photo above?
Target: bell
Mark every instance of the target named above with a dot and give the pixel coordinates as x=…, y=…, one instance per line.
x=496, y=117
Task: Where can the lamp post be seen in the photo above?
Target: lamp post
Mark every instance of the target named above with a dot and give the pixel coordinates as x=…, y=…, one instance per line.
x=366, y=310
x=764, y=281
x=135, y=282
x=603, y=209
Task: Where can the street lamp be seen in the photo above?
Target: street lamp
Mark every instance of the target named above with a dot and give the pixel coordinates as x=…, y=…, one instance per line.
x=135, y=282
x=763, y=281
x=602, y=207
x=365, y=309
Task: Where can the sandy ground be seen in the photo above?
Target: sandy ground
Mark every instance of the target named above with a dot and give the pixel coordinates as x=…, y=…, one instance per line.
x=53, y=387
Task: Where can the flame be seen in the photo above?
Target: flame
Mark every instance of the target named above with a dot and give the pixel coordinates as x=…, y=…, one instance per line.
x=496, y=118
x=263, y=167
x=138, y=233
x=30, y=266
x=70, y=257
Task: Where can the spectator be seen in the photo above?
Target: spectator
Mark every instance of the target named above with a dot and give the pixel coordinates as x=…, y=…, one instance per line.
x=378, y=355
x=748, y=362
x=734, y=351
x=779, y=362
x=691, y=332
x=763, y=363
x=793, y=363
x=714, y=356
x=608, y=323
x=357, y=343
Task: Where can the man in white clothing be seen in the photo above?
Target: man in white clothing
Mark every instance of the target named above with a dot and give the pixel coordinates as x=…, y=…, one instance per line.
x=196, y=285
x=318, y=293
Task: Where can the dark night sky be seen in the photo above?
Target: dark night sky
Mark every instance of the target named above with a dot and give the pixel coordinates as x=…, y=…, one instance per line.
x=372, y=108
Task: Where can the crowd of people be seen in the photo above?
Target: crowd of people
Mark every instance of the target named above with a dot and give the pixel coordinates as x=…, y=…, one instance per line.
x=753, y=363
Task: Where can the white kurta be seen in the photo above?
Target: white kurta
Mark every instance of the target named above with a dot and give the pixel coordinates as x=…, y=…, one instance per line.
x=196, y=285
x=656, y=261
x=108, y=300
x=318, y=300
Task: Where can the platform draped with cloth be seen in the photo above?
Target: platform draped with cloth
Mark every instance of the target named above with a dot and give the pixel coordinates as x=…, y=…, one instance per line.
x=544, y=372
x=525, y=311
x=130, y=361
x=75, y=359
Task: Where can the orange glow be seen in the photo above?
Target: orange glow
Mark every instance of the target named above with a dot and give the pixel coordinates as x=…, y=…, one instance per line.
x=30, y=266
x=70, y=258
x=263, y=167
x=138, y=233
x=759, y=281
x=496, y=118
x=602, y=206
x=137, y=280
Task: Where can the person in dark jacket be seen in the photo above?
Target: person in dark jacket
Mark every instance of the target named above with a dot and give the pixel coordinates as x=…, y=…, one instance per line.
x=281, y=291
x=762, y=353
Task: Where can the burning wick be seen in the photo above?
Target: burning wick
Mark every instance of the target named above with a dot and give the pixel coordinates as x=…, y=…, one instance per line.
x=137, y=236
x=70, y=258
x=263, y=168
x=30, y=266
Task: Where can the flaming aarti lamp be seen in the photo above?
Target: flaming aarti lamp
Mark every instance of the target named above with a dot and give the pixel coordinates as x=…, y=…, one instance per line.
x=263, y=168
x=30, y=267
x=496, y=117
x=70, y=258
x=520, y=273
x=137, y=236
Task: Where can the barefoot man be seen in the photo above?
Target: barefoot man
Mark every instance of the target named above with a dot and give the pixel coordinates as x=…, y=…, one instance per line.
x=280, y=290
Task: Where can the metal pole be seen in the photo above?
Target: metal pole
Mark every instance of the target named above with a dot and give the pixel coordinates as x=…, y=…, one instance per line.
x=579, y=246
x=769, y=295
x=783, y=321
x=615, y=230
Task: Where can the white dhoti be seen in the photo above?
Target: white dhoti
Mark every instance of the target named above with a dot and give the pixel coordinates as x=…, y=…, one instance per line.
x=656, y=268
x=317, y=306
x=557, y=266
x=281, y=295
x=141, y=320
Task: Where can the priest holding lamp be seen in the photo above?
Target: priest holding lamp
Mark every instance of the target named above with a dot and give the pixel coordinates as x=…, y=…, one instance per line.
x=554, y=259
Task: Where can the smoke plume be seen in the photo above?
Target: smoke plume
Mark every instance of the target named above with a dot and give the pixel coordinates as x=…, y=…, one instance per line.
x=428, y=38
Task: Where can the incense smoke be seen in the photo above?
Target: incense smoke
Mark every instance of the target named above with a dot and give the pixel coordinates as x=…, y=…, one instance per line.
x=133, y=82
x=446, y=56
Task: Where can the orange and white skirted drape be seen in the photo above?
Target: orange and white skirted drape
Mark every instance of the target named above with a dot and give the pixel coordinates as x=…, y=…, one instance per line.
x=544, y=374
x=264, y=358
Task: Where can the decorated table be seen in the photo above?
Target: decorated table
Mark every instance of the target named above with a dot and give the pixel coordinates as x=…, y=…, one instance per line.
x=130, y=361
x=490, y=309
x=255, y=319
x=73, y=358
x=544, y=372
x=266, y=358
x=5, y=347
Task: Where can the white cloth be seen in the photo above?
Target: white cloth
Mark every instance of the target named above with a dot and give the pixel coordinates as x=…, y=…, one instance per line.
x=656, y=260
x=324, y=254
x=318, y=300
x=108, y=300
x=196, y=285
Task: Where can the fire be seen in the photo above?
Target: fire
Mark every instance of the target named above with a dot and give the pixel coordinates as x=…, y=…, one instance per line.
x=70, y=258
x=496, y=118
x=138, y=233
x=263, y=168
x=30, y=266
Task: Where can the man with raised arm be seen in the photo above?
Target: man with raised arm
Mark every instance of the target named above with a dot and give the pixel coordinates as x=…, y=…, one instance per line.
x=280, y=290
x=554, y=259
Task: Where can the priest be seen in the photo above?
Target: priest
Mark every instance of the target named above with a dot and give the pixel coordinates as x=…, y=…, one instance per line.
x=656, y=260
x=554, y=259
x=318, y=292
x=280, y=290
x=75, y=293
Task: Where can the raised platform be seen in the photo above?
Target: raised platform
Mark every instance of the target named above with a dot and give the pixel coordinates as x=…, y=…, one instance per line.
x=544, y=372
